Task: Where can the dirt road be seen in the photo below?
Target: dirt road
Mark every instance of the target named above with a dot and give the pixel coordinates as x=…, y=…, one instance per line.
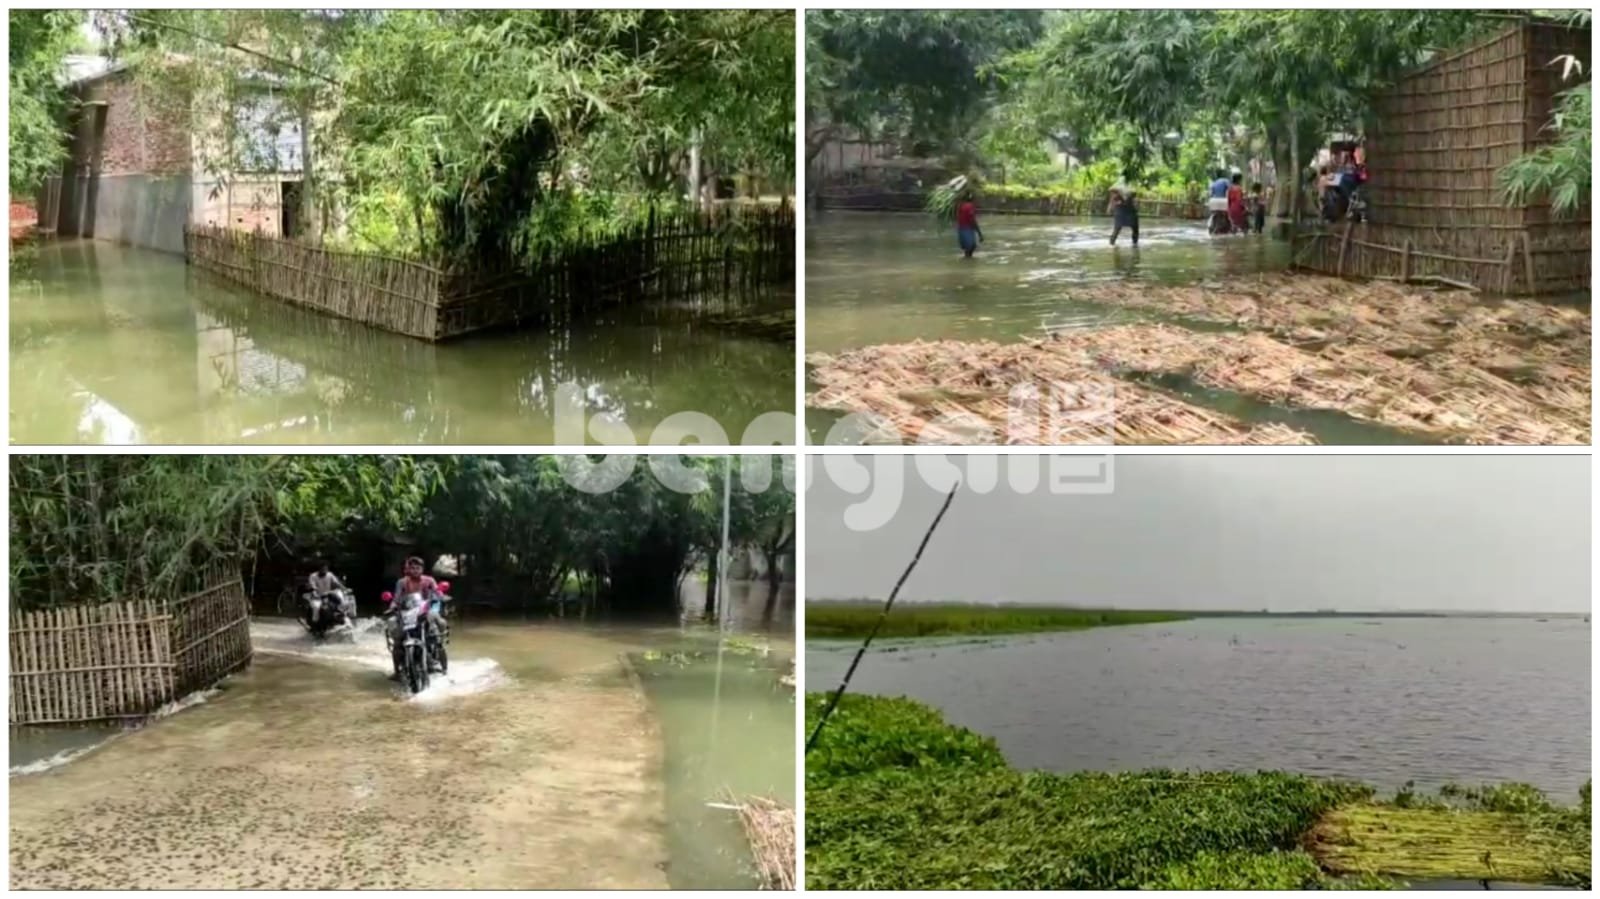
x=540, y=772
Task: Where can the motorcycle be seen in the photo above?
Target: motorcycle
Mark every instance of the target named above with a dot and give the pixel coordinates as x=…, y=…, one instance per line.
x=422, y=647
x=329, y=613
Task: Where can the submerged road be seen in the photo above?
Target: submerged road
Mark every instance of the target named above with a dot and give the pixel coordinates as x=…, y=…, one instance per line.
x=536, y=765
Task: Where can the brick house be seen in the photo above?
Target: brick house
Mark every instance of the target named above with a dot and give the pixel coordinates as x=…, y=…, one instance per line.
x=143, y=162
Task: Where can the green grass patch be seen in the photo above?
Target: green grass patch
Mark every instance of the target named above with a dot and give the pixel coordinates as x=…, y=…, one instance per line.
x=855, y=619
x=896, y=798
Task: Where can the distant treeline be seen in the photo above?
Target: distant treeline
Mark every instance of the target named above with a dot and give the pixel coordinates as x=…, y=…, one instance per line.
x=851, y=618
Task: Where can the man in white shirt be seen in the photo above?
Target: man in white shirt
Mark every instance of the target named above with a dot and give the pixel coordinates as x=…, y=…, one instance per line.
x=323, y=583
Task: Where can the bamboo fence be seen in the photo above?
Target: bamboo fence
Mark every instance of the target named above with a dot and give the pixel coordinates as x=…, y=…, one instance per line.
x=124, y=660
x=1441, y=138
x=730, y=252
x=394, y=294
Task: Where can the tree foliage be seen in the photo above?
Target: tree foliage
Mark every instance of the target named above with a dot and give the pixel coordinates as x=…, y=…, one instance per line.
x=520, y=520
x=483, y=136
x=39, y=41
x=88, y=529
x=1560, y=171
x=1263, y=70
x=921, y=73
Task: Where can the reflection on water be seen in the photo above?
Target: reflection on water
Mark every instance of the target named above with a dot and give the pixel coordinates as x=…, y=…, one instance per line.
x=888, y=278
x=1431, y=700
x=121, y=345
x=745, y=608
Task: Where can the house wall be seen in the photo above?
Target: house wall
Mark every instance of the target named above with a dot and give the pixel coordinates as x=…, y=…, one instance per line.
x=244, y=205
x=128, y=180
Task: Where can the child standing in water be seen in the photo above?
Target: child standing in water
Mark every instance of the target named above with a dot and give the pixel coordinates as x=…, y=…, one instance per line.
x=1124, y=213
x=1258, y=207
x=968, y=234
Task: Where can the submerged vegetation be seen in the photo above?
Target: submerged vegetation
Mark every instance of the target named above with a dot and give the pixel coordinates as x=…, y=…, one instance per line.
x=855, y=619
x=898, y=799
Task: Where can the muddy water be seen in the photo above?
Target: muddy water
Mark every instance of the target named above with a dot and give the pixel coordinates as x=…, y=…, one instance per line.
x=712, y=761
x=539, y=762
x=891, y=278
x=119, y=345
x=745, y=607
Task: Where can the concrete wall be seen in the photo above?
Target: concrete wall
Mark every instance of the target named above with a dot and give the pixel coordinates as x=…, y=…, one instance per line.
x=143, y=210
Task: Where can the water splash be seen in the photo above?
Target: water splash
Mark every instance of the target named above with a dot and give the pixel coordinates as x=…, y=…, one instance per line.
x=466, y=677
x=67, y=756
x=63, y=757
x=366, y=648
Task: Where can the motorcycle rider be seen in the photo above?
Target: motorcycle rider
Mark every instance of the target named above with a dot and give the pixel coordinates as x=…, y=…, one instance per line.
x=413, y=581
x=323, y=584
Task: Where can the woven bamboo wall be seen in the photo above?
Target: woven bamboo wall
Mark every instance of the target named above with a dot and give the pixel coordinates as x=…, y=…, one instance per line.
x=1441, y=138
x=1443, y=133
x=119, y=661
x=394, y=294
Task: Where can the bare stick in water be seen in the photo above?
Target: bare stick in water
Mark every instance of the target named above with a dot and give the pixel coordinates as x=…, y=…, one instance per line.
x=882, y=616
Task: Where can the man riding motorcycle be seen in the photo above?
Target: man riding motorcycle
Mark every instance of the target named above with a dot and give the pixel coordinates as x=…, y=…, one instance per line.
x=324, y=585
x=413, y=582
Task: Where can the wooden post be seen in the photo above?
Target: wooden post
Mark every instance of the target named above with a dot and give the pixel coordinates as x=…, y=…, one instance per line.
x=1405, y=262
x=1508, y=271
x=1344, y=244
x=1527, y=261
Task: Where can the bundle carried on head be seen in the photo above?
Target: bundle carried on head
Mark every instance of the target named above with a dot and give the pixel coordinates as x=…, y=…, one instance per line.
x=942, y=200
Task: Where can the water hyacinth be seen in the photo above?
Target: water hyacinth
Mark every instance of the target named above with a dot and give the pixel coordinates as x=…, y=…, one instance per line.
x=898, y=799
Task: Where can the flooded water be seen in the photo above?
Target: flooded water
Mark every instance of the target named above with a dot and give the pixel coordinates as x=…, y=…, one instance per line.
x=714, y=760
x=538, y=762
x=745, y=607
x=120, y=345
x=892, y=278
x=1382, y=701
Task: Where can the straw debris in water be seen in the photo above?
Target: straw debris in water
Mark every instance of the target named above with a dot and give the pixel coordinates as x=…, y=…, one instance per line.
x=1308, y=307
x=1444, y=397
x=961, y=393
x=954, y=392
x=769, y=826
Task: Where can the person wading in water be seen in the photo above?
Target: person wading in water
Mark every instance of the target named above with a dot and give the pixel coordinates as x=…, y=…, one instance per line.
x=1124, y=213
x=968, y=234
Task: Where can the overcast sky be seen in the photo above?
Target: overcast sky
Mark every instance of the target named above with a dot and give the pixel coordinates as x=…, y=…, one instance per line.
x=1288, y=533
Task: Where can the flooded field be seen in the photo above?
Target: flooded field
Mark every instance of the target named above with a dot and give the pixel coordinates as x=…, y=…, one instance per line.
x=538, y=762
x=888, y=278
x=119, y=345
x=875, y=279
x=1383, y=701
